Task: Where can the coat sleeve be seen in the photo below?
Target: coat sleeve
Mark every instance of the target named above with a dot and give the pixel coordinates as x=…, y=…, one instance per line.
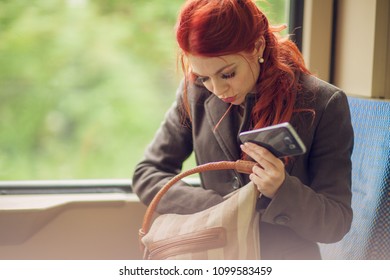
x=320, y=211
x=163, y=159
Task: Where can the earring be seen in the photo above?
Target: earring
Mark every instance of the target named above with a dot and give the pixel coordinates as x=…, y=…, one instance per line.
x=261, y=60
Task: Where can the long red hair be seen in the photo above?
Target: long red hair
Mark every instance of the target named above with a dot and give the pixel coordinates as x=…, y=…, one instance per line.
x=214, y=28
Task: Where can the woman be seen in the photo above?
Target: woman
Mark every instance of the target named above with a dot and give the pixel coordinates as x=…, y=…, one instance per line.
x=240, y=76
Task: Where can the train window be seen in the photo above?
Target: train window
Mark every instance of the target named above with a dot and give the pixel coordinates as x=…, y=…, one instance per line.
x=84, y=84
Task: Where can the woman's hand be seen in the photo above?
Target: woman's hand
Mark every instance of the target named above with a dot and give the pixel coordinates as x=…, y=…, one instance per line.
x=269, y=174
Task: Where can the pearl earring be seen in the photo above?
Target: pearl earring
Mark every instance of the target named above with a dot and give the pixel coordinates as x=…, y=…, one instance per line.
x=261, y=60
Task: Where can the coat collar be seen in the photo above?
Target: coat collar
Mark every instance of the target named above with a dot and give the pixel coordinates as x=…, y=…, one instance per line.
x=227, y=132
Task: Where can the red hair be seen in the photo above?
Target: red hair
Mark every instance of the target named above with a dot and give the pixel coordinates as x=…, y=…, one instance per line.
x=214, y=28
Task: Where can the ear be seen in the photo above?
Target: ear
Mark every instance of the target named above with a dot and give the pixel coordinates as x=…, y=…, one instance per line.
x=259, y=47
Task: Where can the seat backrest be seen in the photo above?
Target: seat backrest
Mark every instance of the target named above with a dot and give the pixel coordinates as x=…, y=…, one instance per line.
x=369, y=237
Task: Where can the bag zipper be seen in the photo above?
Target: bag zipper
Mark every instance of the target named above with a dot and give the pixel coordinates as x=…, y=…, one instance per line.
x=193, y=242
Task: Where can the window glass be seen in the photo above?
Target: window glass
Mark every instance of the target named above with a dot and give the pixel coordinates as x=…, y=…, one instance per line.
x=84, y=84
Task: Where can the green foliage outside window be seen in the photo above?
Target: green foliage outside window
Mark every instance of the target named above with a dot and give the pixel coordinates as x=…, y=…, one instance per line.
x=84, y=84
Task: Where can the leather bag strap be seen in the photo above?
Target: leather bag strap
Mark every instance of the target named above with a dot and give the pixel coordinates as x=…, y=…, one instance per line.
x=241, y=166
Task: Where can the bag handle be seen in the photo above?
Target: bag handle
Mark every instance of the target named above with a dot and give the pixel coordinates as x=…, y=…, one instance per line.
x=242, y=166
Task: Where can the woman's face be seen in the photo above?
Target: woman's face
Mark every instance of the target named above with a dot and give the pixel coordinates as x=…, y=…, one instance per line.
x=229, y=77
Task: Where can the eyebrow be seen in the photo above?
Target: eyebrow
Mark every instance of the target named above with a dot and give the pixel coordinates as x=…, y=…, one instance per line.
x=216, y=73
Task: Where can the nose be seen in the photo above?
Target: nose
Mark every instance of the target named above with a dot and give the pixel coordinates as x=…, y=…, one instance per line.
x=220, y=88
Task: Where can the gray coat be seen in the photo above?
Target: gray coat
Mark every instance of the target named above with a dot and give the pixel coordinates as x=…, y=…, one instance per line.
x=314, y=202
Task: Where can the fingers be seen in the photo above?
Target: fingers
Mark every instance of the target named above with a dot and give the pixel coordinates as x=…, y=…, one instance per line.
x=262, y=156
x=269, y=174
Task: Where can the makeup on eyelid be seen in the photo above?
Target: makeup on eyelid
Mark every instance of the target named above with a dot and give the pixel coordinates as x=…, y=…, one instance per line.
x=224, y=76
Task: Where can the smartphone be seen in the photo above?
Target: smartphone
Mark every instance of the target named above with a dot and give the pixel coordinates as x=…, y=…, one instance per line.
x=282, y=140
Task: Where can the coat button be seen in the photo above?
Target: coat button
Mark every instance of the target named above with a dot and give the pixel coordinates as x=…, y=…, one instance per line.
x=281, y=220
x=235, y=183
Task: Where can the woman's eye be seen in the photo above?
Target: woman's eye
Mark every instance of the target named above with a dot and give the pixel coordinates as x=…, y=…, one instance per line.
x=202, y=79
x=228, y=76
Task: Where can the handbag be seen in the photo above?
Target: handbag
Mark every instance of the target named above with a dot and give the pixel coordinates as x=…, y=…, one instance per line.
x=228, y=230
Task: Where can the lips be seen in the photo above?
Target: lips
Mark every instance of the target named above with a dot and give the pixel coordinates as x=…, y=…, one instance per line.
x=229, y=99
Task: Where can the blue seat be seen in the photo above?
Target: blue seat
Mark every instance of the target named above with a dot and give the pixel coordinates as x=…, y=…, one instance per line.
x=369, y=237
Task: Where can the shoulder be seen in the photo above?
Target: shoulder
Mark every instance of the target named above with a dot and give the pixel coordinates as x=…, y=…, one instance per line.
x=319, y=104
x=195, y=92
x=320, y=94
x=193, y=95
x=315, y=85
